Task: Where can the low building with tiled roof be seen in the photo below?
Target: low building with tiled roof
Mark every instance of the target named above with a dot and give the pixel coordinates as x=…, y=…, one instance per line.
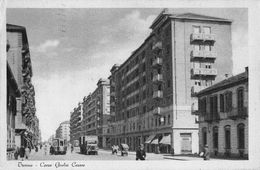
x=223, y=117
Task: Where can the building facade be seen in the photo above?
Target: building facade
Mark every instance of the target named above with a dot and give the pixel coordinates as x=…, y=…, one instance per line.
x=153, y=92
x=223, y=117
x=96, y=110
x=63, y=131
x=22, y=122
x=76, y=117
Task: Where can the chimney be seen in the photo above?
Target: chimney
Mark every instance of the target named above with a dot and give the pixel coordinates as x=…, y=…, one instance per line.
x=246, y=70
x=226, y=75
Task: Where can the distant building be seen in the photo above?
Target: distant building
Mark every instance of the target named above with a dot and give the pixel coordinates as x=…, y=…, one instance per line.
x=96, y=111
x=63, y=131
x=22, y=123
x=223, y=117
x=75, y=123
x=153, y=92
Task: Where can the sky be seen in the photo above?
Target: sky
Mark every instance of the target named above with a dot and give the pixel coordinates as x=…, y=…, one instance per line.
x=72, y=48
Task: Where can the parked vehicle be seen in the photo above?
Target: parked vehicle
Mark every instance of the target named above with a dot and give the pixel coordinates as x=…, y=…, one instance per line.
x=88, y=145
x=124, y=149
x=59, y=146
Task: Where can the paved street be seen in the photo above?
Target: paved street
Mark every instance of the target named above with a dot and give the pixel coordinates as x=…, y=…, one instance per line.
x=106, y=155
x=102, y=155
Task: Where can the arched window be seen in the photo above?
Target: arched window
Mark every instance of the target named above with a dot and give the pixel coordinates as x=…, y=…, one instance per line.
x=215, y=137
x=241, y=135
x=204, y=136
x=227, y=136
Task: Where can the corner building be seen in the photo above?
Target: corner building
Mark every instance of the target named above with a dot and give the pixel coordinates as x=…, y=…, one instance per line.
x=96, y=111
x=223, y=117
x=63, y=131
x=22, y=122
x=153, y=92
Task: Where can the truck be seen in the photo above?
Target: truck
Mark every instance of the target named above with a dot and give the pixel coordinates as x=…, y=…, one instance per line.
x=89, y=145
x=58, y=146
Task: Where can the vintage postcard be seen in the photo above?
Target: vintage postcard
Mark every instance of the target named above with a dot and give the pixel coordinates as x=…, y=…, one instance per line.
x=106, y=86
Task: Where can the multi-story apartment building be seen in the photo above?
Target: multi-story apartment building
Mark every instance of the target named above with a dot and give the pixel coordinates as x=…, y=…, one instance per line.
x=223, y=117
x=63, y=131
x=152, y=92
x=22, y=123
x=76, y=117
x=96, y=110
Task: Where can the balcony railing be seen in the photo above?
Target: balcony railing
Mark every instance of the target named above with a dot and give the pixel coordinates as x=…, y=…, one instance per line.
x=196, y=89
x=201, y=54
x=197, y=54
x=157, y=111
x=208, y=37
x=157, y=62
x=238, y=113
x=157, y=94
x=210, y=54
x=196, y=37
x=209, y=117
x=194, y=109
x=202, y=37
x=204, y=72
x=157, y=78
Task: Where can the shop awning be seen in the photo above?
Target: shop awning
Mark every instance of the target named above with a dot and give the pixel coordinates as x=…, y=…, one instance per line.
x=166, y=140
x=155, y=141
x=150, y=138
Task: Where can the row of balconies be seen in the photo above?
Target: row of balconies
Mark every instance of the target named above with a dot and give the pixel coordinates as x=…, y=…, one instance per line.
x=202, y=37
x=235, y=113
x=196, y=89
x=201, y=54
x=203, y=72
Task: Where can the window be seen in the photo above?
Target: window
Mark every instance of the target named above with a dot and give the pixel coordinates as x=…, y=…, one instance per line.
x=169, y=117
x=215, y=137
x=221, y=102
x=202, y=106
x=241, y=136
x=207, y=47
x=204, y=136
x=168, y=83
x=228, y=101
x=196, y=29
x=240, y=98
x=207, y=30
x=159, y=87
x=227, y=137
x=196, y=47
x=159, y=70
x=168, y=49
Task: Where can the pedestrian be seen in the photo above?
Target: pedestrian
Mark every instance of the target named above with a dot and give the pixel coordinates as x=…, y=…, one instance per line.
x=16, y=153
x=113, y=149
x=206, y=155
x=140, y=153
x=71, y=148
x=45, y=149
x=22, y=152
x=27, y=152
